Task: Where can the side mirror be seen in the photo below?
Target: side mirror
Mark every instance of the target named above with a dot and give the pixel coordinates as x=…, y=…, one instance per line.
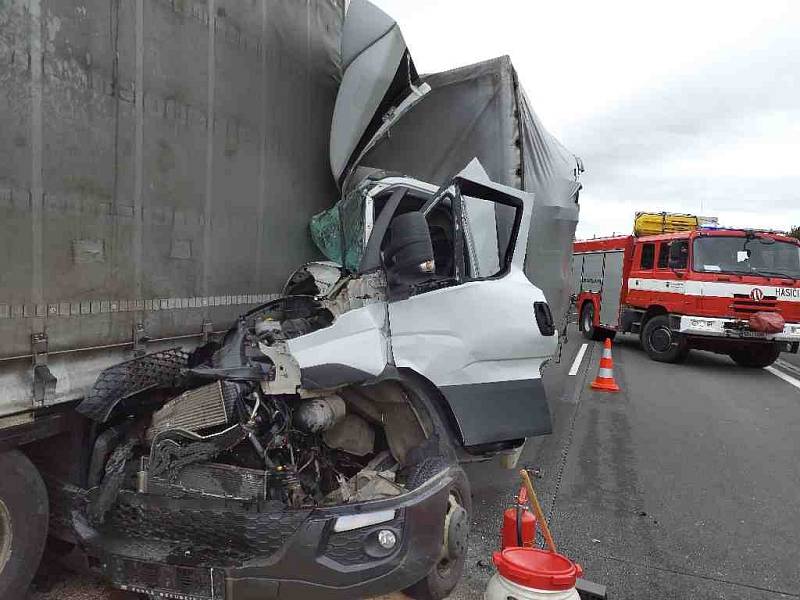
x=408, y=257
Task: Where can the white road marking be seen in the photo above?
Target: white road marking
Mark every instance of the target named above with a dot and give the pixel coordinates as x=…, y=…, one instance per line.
x=787, y=378
x=578, y=359
x=788, y=367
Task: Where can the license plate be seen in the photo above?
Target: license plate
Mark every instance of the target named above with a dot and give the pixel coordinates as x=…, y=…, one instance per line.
x=753, y=334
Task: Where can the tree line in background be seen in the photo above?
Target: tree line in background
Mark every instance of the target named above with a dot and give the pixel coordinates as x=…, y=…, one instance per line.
x=795, y=232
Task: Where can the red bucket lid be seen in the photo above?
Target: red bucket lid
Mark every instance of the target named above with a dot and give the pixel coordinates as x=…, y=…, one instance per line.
x=535, y=568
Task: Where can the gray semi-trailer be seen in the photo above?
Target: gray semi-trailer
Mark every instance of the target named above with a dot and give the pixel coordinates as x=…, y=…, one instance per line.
x=159, y=165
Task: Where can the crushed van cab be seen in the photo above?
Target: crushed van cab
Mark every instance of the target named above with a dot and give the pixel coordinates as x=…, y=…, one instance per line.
x=315, y=448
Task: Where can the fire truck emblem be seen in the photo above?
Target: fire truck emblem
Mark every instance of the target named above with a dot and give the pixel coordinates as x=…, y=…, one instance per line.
x=757, y=294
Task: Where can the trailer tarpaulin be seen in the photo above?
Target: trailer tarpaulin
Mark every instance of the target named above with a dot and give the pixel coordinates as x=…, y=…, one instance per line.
x=481, y=111
x=162, y=193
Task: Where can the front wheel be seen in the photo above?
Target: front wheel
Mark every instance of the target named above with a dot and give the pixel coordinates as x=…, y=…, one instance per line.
x=756, y=357
x=24, y=513
x=661, y=343
x=444, y=576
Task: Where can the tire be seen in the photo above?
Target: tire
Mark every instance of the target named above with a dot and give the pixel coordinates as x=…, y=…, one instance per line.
x=586, y=322
x=444, y=576
x=586, y=325
x=24, y=512
x=661, y=343
x=756, y=357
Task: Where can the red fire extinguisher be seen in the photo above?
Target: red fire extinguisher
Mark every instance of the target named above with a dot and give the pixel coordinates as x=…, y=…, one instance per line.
x=519, y=524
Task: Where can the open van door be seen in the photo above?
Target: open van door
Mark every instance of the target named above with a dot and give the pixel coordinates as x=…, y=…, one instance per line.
x=480, y=331
x=379, y=84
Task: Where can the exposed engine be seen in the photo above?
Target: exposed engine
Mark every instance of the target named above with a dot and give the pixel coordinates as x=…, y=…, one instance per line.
x=230, y=440
x=231, y=422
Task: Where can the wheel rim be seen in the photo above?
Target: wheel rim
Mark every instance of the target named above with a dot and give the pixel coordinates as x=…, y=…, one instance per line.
x=6, y=534
x=588, y=318
x=661, y=339
x=447, y=561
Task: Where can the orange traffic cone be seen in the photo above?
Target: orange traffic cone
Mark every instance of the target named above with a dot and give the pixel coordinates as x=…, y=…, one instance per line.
x=605, y=377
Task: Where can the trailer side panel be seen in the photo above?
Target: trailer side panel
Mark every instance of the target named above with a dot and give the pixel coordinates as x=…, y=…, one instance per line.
x=159, y=163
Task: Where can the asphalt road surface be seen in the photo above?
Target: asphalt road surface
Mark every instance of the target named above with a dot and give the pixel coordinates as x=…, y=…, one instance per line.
x=685, y=485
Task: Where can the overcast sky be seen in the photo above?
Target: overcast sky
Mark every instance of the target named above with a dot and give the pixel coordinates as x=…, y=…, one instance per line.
x=684, y=106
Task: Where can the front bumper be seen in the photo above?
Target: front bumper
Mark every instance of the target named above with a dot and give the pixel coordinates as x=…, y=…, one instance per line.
x=218, y=552
x=731, y=328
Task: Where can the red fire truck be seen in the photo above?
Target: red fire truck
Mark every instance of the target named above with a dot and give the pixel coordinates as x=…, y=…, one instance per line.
x=729, y=291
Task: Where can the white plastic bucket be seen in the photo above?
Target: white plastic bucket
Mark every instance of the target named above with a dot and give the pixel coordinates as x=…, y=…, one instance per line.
x=500, y=588
x=532, y=574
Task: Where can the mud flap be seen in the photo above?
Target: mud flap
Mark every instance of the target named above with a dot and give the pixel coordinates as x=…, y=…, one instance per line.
x=499, y=411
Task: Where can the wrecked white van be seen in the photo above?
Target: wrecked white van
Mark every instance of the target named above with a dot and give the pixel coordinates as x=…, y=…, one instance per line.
x=315, y=449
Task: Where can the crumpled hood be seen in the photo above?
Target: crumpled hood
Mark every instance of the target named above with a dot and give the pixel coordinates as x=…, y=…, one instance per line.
x=379, y=83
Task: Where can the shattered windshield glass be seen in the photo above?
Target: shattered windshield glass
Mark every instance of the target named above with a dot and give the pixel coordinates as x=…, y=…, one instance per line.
x=339, y=231
x=747, y=256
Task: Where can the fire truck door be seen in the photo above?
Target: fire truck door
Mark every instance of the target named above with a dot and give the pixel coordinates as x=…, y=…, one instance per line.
x=612, y=288
x=592, y=273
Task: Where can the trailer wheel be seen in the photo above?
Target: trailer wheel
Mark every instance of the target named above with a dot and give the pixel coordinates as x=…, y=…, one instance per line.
x=756, y=357
x=444, y=576
x=24, y=513
x=661, y=343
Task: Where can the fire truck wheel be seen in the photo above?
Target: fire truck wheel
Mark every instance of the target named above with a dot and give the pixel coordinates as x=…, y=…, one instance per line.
x=756, y=357
x=661, y=343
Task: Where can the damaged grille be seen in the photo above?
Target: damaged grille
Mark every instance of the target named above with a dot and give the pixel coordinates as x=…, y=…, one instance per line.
x=211, y=480
x=218, y=537
x=159, y=369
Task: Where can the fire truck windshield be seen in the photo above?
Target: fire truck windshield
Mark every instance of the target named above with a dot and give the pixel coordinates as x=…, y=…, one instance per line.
x=752, y=255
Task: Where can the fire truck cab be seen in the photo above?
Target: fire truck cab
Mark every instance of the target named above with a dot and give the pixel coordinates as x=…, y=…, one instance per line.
x=730, y=291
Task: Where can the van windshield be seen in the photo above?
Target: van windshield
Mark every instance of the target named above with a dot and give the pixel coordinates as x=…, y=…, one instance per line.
x=338, y=232
x=747, y=256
